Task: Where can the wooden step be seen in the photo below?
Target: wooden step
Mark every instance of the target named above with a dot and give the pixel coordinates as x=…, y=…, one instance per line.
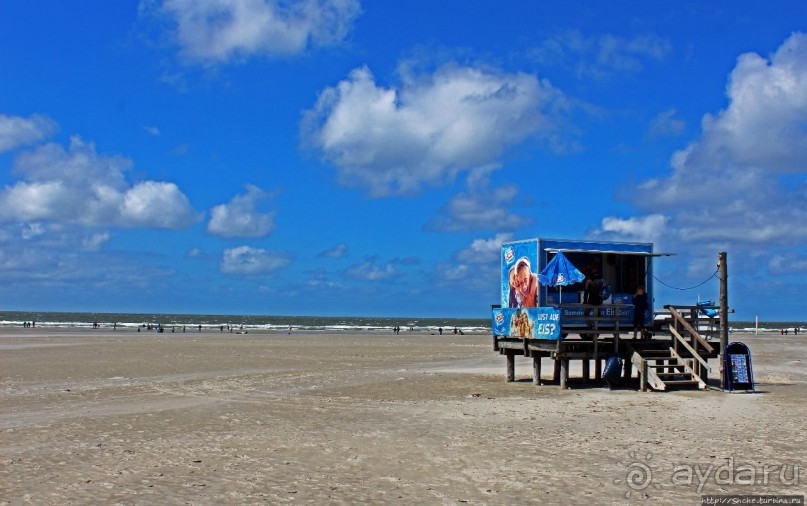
x=681, y=382
x=663, y=374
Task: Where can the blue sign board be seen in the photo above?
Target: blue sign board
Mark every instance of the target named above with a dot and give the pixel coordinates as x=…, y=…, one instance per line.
x=737, y=370
x=534, y=323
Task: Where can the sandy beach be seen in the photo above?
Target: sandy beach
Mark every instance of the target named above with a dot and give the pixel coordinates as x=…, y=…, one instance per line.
x=103, y=417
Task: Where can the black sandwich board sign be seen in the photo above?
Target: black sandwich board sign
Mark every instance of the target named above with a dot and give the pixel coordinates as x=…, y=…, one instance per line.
x=737, y=368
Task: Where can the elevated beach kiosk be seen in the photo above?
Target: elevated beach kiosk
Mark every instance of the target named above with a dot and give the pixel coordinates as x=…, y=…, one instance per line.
x=555, y=323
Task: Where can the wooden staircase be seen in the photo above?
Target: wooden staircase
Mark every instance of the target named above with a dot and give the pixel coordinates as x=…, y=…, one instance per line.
x=682, y=365
x=665, y=370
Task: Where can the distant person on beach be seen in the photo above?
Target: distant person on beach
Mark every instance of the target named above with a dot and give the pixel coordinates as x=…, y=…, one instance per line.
x=523, y=284
x=639, y=310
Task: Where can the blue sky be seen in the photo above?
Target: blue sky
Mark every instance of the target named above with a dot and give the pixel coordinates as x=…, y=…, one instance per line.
x=339, y=157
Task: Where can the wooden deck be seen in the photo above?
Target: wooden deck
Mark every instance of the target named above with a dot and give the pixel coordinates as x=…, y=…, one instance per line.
x=676, y=359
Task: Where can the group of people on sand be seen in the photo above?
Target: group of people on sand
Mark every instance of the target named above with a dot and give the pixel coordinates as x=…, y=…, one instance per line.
x=795, y=331
x=456, y=331
x=28, y=325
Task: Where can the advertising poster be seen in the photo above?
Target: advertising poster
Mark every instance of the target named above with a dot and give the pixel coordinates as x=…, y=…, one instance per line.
x=520, y=274
x=535, y=323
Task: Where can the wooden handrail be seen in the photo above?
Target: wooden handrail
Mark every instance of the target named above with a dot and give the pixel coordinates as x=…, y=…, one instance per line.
x=686, y=367
x=689, y=348
x=690, y=329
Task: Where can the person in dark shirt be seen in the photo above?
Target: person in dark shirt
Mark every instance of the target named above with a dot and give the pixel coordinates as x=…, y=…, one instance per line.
x=639, y=311
x=592, y=294
x=593, y=289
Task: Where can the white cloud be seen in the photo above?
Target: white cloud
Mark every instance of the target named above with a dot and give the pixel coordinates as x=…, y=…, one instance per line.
x=369, y=271
x=248, y=261
x=666, y=124
x=239, y=217
x=394, y=141
x=95, y=241
x=152, y=130
x=648, y=228
x=16, y=131
x=31, y=230
x=787, y=264
x=479, y=208
x=79, y=186
x=337, y=251
x=484, y=250
x=155, y=204
x=217, y=31
x=731, y=184
x=602, y=56
x=59, y=257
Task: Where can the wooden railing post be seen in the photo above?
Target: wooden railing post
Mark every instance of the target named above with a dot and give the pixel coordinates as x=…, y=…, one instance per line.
x=644, y=376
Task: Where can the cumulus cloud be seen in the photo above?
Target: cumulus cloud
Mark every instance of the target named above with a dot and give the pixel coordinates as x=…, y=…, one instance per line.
x=248, y=261
x=51, y=256
x=16, y=131
x=484, y=250
x=735, y=182
x=78, y=186
x=473, y=267
x=648, y=228
x=218, y=31
x=479, y=208
x=393, y=141
x=239, y=217
x=602, y=56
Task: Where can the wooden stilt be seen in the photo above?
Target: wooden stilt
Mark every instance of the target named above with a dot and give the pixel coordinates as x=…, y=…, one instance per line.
x=536, y=369
x=511, y=367
x=598, y=369
x=586, y=371
x=556, y=372
x=564, y=374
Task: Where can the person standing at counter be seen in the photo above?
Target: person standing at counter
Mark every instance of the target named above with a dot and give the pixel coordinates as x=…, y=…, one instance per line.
x=639, y=311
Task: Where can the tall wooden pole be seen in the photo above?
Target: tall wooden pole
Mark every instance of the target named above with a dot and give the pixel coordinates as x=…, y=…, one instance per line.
x=724, y=312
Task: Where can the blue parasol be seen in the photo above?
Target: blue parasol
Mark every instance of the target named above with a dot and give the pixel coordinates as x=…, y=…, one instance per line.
x=560, y=272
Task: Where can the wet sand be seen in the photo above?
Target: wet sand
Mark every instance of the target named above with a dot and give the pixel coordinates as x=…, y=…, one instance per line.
x=102, y=417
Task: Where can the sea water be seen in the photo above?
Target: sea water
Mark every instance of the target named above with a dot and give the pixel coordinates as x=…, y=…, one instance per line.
x=248, y=322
